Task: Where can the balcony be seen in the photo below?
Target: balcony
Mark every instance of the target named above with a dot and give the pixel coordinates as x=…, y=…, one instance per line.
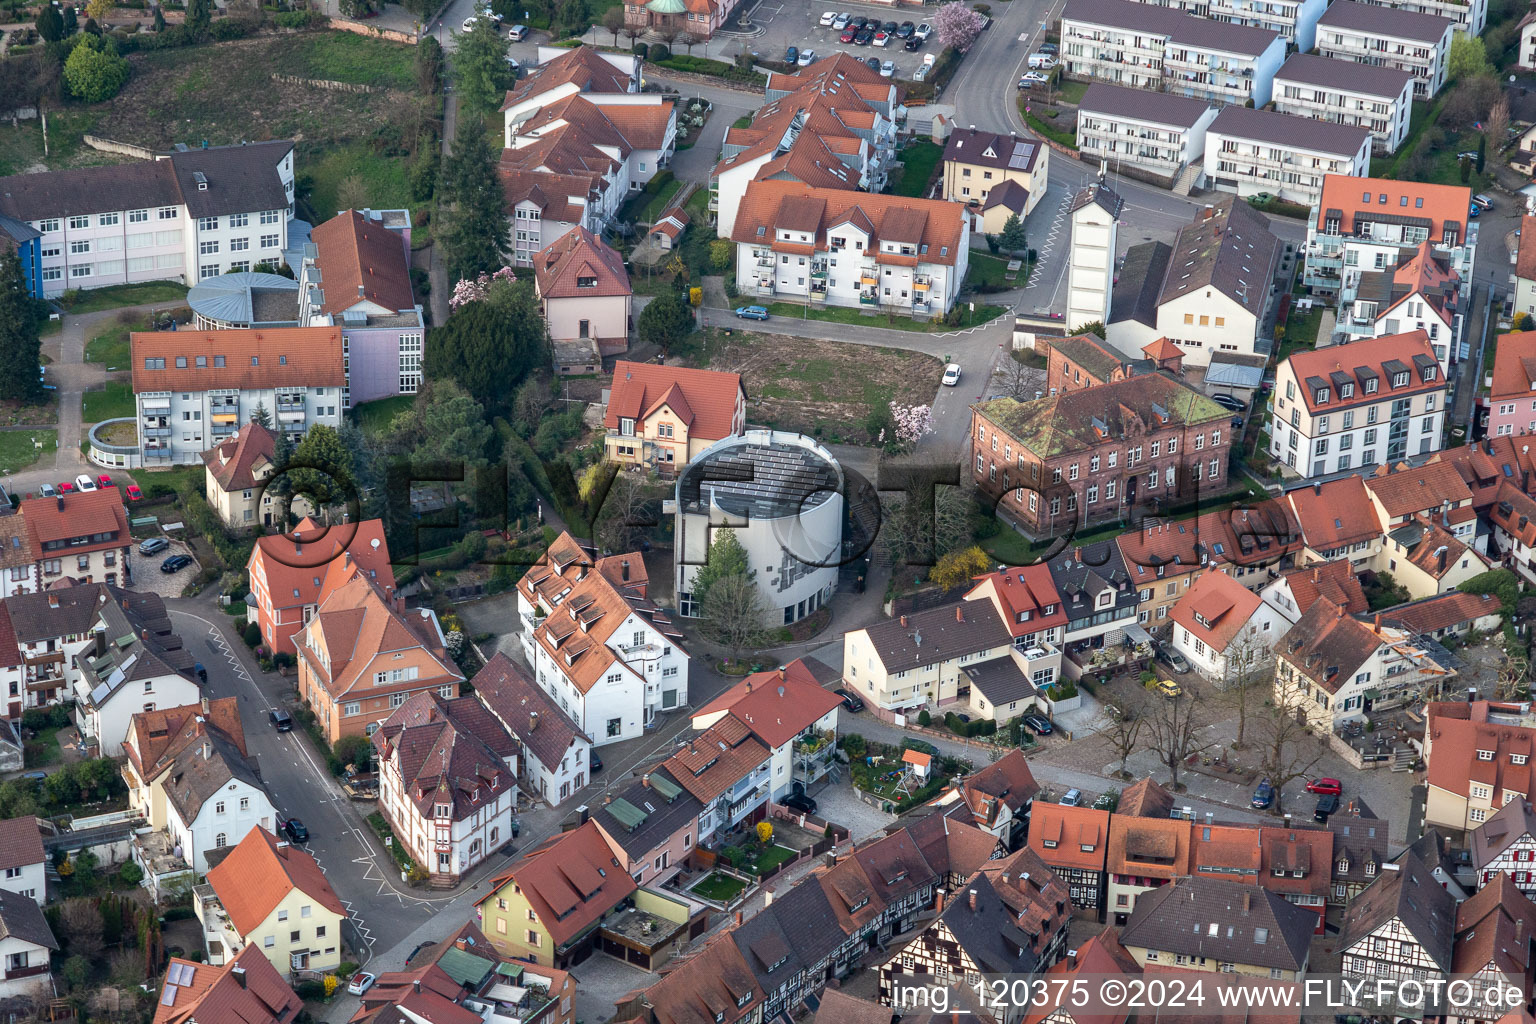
x=765, y=287
x=150, y=432
x=922, y=282
x=868, y=298
x=765, y=261
x=290, y=405
x=818, y=272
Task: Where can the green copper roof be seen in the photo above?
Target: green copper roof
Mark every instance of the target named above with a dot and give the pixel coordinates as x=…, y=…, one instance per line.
x=666, y=6
x=464, y=967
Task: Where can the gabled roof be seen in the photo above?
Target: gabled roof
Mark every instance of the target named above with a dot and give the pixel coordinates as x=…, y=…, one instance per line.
x=1455, y=740
x=1232, y=923
x=1395, y=22
x=21, y=842
x=1145, y=799
x=201, y=769
x=1512, y=823
x=1347, y=76
x=1411, y=896
x=79, y=514
x=1514, y=365
x=993, y=149
x=451, y=752
x=713, y=986
x=571, y=881
x=155, y=736
x=247, y=989
x=1289, y=850
x=1514, y=512
x=1148, y=847
x=1494, y=927
x=716, y=759
x=1101, y=956
x=216, y=180
x=1143, y=105
x=358, y=625
x=299, y=567
x=539, y=724
x=266, y=357
x=1334, y=580
x=770, y=205
x=232, y=462
x=1348, y=199
x=937, y=635
x=582, y=66
x=1022, y=594
x=361, y=260
x=1229, y=248
x=22, y=918
x=988, y=930
x=1301, y=133
x=260, y=872
x=1069, y=830
x=46, y=615
x=1441, y=611
x=1328, y=646
x=1006, y=782
x=1359, y=843
x=776, y=705
x=1335, y=514
x=1525, y=254
x=705, y=400
x=578, y=264
x=646, y=814
x=1216, y=608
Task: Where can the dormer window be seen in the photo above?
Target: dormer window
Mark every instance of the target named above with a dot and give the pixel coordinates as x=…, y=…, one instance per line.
x=1202, y=620
x=586, y=282
x=1370, y=869
x=443, y=810
x=1023, y=616
x=1370, y=386
x=1106, y=598
x=1485, y=755
x=1400, y=380
x=1346, y=391
x=1049, y=609
x=1429, y=373
x=1517, y=759
x=627, y=427
x=1322, y=395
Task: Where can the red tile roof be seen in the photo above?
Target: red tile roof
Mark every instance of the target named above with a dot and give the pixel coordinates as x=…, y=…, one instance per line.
x=1443, y=611
x=1288, y=850
x=570, y=881
x=1514, y=365
x=297, y=567
x=1006, y=782
x=575, y=257
x=360, y=260
x=771, y=204
x=716, y=759
x=1021, y=590
x=1525, y=256
x=582, y=66
x=1437, y=205
x=1334, y=580
x=1403, y=489
x=272, y=357
x=21, y=842
x=232, y=462
x=776, y=705
x=260, y=872
x=359, y=626
x=78, y=514
x=1148, y=847
x=218, y=994
x=152, y=733
x=1224, y=605
x=706, y=400
x=1335, y=514
x=1360, y=360
x=1454, y=742
x=1069, y=829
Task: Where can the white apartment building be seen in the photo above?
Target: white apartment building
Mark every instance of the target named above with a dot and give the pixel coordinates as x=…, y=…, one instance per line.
x=195, y=388
x=1470, y=17
x=1091, y=262
x=850, y=248
x=1357, y=405
x=1366, y=224
x=1249, y=151
x=1164, y=50
x=1294, y=20
x=1135, y=130
x=1391, y=37
x=184, y=216
x=1379, y=99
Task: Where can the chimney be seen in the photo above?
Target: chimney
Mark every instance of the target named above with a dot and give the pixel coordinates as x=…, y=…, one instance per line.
x=207, y=749
x=461, y=943
x=583, y=814
x=416, y=985
x=1077, y=555
x=972, y=900
x=205, y=705
x=61, y=503
x=938, y=901
x=533, y=721
x=1317, y=575
x=1317, y=489
x=624, y=570
x=767, y=899
x=1247, y=900
x=645, y=780
x=959, y=614
x=1378, y=622
x=903, y=622
x=53, y=599
x=238, y=973
x=739, y=917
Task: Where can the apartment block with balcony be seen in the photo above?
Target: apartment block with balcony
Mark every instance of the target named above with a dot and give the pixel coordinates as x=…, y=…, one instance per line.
x=194, y=389
x=1139, y=131
x=1379, y=99
x=1253, y=151
x=1164, y=50
x=1468, y=16
x=1421, y=293
x=1294, y=20
x=1360, y=225
x=1417, y=42
x=844, y=248
x=184, y=216
x=1359, y=405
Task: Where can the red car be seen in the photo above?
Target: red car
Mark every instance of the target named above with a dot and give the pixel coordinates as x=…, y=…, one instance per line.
x=134, y=494
x=104, y=480
x=1325, y=786
x=66, y=487
x=848, y=35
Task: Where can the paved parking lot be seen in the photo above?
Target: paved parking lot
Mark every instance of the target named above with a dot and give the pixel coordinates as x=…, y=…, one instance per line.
x=778, y=24
x=147, y=577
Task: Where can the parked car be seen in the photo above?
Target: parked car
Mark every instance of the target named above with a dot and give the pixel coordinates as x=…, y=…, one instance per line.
x=1264, y=795
x=1041, y=62
x=799, y=802
x=873, y=63
x=807, y=58
x=924, y=31
x=888, y=69
x=1474, y=211
x=200, y=671
x=361, y=982
x=518, y=33
x=864, y=36
x=914, y=44
x=906, y=30
x=1030, y=79
x=849, y=35
x=595, y=762
x=828, y=19
x=1073, y=798
x=469, y=22
x=103, y=480
x=1327, y=804
x=752, y=312
x=281, y=720
x=792, y=55
x=951, y=375
x=921, y=74
x=1484, y=200
x=1039, y=725
x=65, y=487
x=1325, y=786
x=1169, y=688
x=492, y=15
x=851, y=701
x=1173, y=657
x=133, y=492
x=175, y=564
x=48, y=491
x=512, y=65
x=1049, y=48
x=881, y=38
x=842, y=20
x=1229, y=403
x=296, y=831
x=153, y=545
x=83, y=482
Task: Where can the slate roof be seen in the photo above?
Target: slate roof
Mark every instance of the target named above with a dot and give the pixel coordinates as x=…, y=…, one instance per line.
x=362, y=260
x=201, y=769
x=1143, y=105
x=268, y=357
x=512, y=696
x=239, y=178
x=1349, y=76
x=938, y=634
x=1252, y=925
x=1411, y=896
x=1359, y=841
x=1064, y=424
x=1514, y=821
x=22, y=918
x=1301, y=133
x=1385, y=21
x=988, y=932
x=45, y=615
x=659, y=817
x=993, y=149
x=1134, y=296
x=1229, y=248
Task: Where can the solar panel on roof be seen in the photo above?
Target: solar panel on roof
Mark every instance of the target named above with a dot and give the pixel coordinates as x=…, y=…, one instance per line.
x=168, y=996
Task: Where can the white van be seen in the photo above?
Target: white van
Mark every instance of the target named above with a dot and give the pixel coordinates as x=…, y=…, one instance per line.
x=1041, y=62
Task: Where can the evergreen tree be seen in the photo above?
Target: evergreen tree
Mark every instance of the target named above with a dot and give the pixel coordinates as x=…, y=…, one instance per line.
x=666, y=320
x=480, y=71
x=261, y=417
x=1012, y=239
x=726, y=558
x=71, y=22
x=322, y=467
x=489, y=347
x=159, y=25
x=20, y=344
x=199, y=16
x=50, y=24
x=475, y=229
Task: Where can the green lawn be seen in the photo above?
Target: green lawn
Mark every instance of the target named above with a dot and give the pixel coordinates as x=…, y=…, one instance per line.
x=744, y=121
x=773, y=857
x=95, y=300
x=1072, y=92
x=720, y=887
x=1300, y=332
x=648, y=213
x=111, y=402
x=171, y=480
x=1033, y=112
x=373, y=418
x=344, y=57
x=111, y=347
x=849, y=315
x=992, y=270
x=920, y=159
x=43, y=749
x=384, y=178
x=17, y=450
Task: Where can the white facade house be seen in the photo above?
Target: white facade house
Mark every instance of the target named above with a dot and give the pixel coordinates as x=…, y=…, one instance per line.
x=212, y=800
x=22, y=858
x=134, y=664
x=1362, y=404
x=1253, y=151
x=598, y=646
x=782, y=496
x=1225, y=630
x=1215, y=300
x=1379, y=99
x=1131, y=129
x=1091, y=265
x=1393, y=37
x=187, y=215
x=854, y=249
x=1294, y=20
x=26, y=948
x=556, y=755
x=564, y=72
x=1363, y=224
x=1468, y=18
x=1159, y=49
x=193, y=389
x=781, y=707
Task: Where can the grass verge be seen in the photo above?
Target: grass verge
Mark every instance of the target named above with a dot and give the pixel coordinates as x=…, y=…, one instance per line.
x=19, y=448
x=877, y=318
x=373, y=418
x=111, y=402
x=97, y=299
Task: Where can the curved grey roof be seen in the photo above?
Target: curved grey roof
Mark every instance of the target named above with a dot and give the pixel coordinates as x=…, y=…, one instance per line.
x=747, y=476
x=247, y=298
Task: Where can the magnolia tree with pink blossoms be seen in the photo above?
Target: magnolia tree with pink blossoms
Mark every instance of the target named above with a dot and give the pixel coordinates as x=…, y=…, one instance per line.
x=467, y=291
x=957, y=26
x=911, y=423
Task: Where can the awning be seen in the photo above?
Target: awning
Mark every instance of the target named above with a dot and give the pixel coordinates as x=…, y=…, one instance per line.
x=1135, y=634
x=1372, y=694
x=155, y=403
x=222, y=417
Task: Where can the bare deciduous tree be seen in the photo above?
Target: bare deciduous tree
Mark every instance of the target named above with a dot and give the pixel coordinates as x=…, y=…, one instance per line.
x=1173, y=734
x=613, y=21
x=918, y=536
x=689, y=40
x=1125, y=730
x=1021, y=382
x=1287, y=748
x=631, y=508
x=1248, y=677
x=1496, y=127
x=81, y=923
x=732, y=614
